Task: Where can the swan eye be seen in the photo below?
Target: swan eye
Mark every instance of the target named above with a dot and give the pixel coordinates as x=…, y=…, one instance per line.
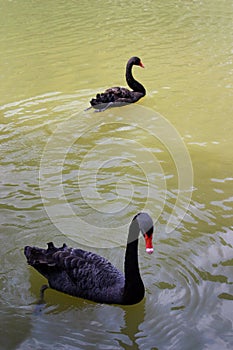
x=150, y=231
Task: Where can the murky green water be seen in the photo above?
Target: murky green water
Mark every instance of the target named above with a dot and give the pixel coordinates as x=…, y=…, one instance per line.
x=79, y=177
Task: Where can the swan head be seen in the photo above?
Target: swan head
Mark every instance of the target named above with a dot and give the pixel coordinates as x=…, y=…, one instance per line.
x=136, y=61
x=146, y=227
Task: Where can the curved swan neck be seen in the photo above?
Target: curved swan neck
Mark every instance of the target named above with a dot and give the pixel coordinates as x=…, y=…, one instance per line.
x=133, y=83
x=134, y=288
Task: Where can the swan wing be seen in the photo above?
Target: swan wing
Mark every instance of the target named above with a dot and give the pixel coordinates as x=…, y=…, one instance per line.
x=78, y=273
x=118, y=92
x=89, y=276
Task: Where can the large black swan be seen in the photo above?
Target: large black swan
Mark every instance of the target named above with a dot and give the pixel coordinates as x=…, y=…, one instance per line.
x=87, y=275
x=119, y=96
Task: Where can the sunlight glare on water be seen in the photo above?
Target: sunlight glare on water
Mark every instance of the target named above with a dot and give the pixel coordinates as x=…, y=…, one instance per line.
x=69, y=175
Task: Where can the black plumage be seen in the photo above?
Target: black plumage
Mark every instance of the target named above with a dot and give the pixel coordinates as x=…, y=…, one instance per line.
x=119, y=96
x=87, y=275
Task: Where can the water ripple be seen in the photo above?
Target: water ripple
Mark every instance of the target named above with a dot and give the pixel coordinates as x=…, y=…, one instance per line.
x=179, y=278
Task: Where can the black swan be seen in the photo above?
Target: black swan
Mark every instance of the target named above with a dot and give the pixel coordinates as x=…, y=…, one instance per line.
x=87, y=275
x=119, y=96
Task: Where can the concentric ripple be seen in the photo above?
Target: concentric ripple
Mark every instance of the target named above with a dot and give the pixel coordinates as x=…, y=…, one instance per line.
x=113, y=176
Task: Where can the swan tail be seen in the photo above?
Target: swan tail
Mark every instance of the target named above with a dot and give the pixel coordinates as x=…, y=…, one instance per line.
x=43, y=259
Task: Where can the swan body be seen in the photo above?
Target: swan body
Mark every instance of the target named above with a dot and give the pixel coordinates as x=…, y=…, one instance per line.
x=90, y=276
x=119, y=96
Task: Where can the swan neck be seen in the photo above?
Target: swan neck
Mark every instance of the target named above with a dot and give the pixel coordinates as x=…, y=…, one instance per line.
x=131, y=261
x=134, y=288
x=133, y=83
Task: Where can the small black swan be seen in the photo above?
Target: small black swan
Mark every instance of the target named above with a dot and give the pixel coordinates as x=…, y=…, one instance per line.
x=119, y=96
x=87, y=275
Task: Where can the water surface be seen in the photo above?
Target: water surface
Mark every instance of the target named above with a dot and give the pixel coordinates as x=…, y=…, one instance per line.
x=69, y=175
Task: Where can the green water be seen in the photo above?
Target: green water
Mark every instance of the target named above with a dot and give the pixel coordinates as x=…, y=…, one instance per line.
x=79, y=177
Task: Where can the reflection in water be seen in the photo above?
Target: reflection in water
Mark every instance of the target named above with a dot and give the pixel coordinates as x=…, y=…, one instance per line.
x=134, y=318
x=88, y=323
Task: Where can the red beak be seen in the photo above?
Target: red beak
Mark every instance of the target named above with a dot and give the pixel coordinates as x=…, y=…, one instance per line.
x=141, y=64
x=149, y=244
